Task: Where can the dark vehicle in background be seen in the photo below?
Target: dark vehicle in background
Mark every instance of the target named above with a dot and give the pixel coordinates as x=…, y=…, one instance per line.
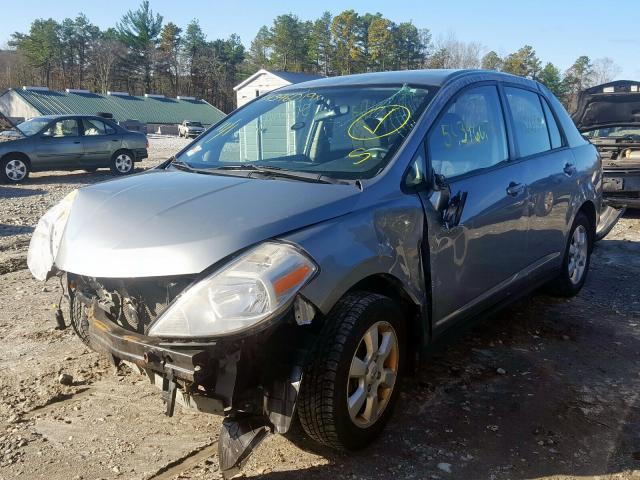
x=68, y=142
x=296, y=258
x=190, y=129
x=609, y=116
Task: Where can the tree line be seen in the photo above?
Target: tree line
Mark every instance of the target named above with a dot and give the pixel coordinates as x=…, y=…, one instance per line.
x=144, y=54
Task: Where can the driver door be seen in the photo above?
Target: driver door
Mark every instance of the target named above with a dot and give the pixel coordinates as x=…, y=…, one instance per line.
x=60, y=144
x=478, y=237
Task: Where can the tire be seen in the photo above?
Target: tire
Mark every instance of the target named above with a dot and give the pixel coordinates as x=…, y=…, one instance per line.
x=609, y=216
x=334, y=376
x=79, y=320
x=122, y=162
x=14, y=169
x=577, y=258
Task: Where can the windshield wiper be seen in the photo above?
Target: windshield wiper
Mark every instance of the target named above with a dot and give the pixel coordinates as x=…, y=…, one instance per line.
x=284, y=173
x=180, y=165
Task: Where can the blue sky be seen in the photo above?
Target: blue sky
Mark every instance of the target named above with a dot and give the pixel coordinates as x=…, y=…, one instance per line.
x=559, y=30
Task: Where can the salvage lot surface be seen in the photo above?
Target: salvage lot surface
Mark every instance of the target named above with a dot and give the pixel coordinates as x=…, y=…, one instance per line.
x=549, y=388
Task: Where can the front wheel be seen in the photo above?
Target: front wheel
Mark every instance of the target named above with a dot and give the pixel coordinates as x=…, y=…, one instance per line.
x=351, y=384
x=14, y=169
x=79, y=319
x=122, y=162
x=577, y=258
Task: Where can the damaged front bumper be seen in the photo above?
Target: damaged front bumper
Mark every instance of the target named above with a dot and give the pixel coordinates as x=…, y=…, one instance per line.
x=166, y=366
x=252, y=381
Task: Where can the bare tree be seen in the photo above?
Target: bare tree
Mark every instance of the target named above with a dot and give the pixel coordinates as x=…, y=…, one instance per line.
x=449, y=52
x=604, y=70
x=106, y=54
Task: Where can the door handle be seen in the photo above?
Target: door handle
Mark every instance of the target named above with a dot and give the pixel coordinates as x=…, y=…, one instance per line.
x=77, y=143
x=114, y=140
x=569, y=169
x=514, y=189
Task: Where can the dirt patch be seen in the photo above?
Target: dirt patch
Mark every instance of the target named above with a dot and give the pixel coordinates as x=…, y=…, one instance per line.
x=549, y=388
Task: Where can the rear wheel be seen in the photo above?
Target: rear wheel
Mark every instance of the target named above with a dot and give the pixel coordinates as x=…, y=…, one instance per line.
x=577, y=258
x=122, y=162
x=14, y=169
x=350, y=386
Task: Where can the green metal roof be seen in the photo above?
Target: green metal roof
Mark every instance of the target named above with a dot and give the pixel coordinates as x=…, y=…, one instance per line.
x=123, y=107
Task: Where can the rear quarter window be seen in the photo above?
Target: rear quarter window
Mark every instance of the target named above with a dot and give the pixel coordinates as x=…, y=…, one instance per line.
x=554, y=131
x=571, y=133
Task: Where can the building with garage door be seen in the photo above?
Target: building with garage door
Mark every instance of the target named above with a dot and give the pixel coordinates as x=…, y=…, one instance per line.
x=160, y=114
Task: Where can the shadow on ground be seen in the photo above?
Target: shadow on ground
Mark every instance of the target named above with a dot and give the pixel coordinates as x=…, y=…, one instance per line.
x=9, y=230
x=15, y=192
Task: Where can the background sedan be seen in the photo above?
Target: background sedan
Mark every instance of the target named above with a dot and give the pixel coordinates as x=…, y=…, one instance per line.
x=69, y=142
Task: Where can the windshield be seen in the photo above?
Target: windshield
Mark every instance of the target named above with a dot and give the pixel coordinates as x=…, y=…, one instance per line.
x=613, y=132
x=193, y=124
x=340, y=132
x=33, y=126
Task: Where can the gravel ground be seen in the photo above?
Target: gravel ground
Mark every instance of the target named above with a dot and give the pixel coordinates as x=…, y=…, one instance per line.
x=547, y=389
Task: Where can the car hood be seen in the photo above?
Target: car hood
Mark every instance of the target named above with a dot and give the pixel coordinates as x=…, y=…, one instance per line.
x=166, y=222
x=614, y=104
x=8, y=130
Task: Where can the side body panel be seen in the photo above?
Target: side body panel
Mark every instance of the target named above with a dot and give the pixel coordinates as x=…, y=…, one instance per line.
x=552, y=205
x=476, y=260
x=99, y=148
x=380, y=239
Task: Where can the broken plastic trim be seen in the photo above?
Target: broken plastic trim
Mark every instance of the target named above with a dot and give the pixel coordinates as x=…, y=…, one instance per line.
x=239, y=436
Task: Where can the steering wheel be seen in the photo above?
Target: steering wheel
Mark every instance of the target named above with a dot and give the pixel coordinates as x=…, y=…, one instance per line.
x=377, y=153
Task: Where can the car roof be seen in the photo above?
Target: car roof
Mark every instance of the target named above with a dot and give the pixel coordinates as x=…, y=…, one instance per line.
x=427, y=77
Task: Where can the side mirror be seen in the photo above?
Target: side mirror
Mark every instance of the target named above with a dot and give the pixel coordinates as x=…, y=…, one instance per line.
x=442, y=193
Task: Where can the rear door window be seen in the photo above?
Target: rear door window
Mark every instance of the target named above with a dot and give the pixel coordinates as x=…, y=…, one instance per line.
x=470, y=135
x=529, y=122
x=93, y=127
x=109, y=129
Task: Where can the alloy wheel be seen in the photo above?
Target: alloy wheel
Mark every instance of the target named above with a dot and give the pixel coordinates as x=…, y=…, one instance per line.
x=123, y=163
x=372, y=375
x=578, y=251
x=16, y=170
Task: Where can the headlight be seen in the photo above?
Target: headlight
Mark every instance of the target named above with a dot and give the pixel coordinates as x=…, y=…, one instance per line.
x=46, y=238
x=242, y=294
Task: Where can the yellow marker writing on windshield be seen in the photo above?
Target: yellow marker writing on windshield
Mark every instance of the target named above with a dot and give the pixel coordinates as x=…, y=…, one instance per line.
x=379, y=125
x=360, y=153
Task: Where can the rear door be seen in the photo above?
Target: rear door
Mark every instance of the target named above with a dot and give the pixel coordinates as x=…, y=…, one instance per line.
x=551, y=174
x=477, y=256
x=99, y=141
x=60, y=144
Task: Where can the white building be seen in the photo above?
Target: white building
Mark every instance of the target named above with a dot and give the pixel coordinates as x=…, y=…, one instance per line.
x=264, y=81
x=253, y=142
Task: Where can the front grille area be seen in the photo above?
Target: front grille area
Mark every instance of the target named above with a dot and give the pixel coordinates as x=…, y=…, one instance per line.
x=132, y=303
